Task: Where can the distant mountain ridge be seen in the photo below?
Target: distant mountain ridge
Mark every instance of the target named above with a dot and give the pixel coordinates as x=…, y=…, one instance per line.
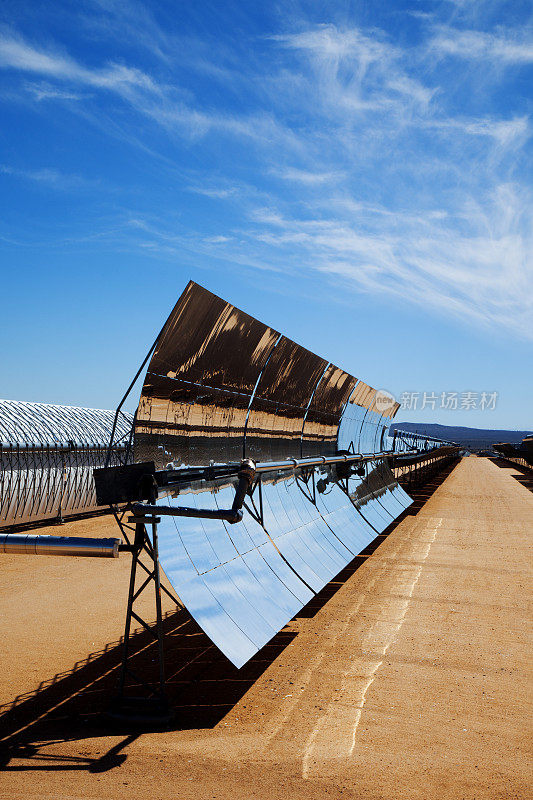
x=475, y=438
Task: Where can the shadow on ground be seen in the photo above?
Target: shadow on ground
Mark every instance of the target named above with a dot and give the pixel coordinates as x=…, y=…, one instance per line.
x=523, y=475
x=202, y=684
x=421, y=494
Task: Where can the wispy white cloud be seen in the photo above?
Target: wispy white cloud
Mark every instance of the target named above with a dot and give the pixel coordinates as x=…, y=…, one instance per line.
x=482, y=273
x=306, y=177
x=46, y=91
x=161, y=103
x=356, y=72
x=332, y=45
x=51, y=178
x=389, y=186
x=412, y=89
x=15, y=53
x=215, y=193
x=507, y=47
x=171, y=242
x=505, y=132
x=217, y=239
x=262, y=128
x=474, y=264
x=133, y=20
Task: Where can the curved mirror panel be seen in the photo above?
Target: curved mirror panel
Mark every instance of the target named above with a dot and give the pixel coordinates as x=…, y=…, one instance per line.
x=222, y=386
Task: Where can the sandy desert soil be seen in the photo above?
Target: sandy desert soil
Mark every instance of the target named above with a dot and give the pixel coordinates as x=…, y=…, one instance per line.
x=407, y=677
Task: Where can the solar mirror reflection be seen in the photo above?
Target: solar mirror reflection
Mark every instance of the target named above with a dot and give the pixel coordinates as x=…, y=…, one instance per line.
x=269, y=469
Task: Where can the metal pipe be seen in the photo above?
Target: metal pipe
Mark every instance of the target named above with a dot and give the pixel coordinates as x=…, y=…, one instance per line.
x=213, y=472
x=27, y=544
x=145, y=509
x=246, y=473
x=295, y=463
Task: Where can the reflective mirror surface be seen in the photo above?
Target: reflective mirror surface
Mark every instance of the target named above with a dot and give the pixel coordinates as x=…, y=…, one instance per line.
x=222, y=386
x=47, y=457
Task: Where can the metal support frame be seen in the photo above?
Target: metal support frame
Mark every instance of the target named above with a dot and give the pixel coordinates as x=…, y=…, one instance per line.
x=518, y=460
x=413, y=441
x=135, y=482
x=152, y=706
x=413, y=470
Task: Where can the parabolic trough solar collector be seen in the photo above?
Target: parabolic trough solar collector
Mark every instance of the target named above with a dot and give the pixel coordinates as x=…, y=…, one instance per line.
x=222, y=386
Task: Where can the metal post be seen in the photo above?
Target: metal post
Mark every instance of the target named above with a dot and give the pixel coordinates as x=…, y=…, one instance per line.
x=137, y=547
x=159, y=623
x=152, y=709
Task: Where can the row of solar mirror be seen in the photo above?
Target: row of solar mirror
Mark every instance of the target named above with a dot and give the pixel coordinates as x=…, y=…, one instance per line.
x=37, y=494
x=242, y=583
x=36, y=483
x=409, y=441
x=30, y=424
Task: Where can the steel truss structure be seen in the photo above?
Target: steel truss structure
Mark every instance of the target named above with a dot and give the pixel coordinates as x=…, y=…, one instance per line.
x=140, y=535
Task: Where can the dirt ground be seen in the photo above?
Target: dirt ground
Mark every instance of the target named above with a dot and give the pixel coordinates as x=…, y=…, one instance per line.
x=407, y=677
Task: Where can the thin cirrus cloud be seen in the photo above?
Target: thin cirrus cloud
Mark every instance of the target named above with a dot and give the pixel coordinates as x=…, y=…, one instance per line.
x=45, y=91
x=51, y=178
x=383, y=183
x=307, y=177
x=17, y=54
x=480, y=276
x=504, y=132
x=356, y=72
x=163, y=104
x=506, y=48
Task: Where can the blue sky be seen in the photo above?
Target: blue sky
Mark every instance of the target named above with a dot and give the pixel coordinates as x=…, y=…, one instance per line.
x=357, y=175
